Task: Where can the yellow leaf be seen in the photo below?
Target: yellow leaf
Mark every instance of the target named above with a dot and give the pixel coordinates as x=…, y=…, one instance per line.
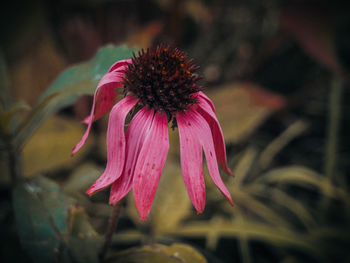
x=242, y=107
x=50, y=147
x=158, y=253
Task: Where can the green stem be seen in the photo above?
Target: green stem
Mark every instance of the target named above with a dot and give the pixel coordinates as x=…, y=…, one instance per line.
x=14, y=163
x=332, y=133
x=112, y=223
x=333, y=127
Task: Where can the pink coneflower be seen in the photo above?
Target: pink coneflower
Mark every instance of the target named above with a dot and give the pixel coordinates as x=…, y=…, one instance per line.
x=161, y=85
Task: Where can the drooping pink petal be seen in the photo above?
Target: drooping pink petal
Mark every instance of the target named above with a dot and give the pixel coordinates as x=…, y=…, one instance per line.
x=202, y=129
x=120, y=65
x=115, y=145
x=206, y=98
x=191, y=162
x=104, y=92
x=106, y=95
x=150, y=164
x=135, y=137
x=205, y=108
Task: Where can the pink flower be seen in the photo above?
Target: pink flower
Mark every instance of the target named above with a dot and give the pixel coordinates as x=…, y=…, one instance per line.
x=160, y=85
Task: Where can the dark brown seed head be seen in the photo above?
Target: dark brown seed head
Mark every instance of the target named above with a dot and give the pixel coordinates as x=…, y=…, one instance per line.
x=163, y=79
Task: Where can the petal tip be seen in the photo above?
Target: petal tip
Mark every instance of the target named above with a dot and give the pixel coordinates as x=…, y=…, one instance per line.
x=200, y=211
x=143, y=218
x=229, y=172
x=229, y=199
x=112, y=201
x=92, y=190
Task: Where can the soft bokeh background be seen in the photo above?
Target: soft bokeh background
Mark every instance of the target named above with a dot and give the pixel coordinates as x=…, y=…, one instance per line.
x=278, y=74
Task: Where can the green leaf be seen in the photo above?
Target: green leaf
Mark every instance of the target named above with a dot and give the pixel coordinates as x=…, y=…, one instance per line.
x=158, y=253
x=74, y=82
x=50, y=226
x=85, y=76
x=84, y=242
x=41, y=213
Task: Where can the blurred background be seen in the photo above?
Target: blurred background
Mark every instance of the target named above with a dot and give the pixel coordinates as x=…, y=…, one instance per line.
x=278, y=74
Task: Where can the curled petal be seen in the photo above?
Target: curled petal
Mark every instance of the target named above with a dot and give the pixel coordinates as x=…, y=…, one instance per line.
x=191, y=162
x=135, y=136
x=120, y=65
x=115, y=145
x=105, y=97
x=206, y=98
x=206, y=110
x=202, y=129
x=150, y=164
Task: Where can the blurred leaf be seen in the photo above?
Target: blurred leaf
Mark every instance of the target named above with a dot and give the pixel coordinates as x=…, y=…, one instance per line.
x=82, y=178
x=84, y=242
x=159, y=253
x=51, y=228
x=310, y=25
x=5, y=98
x=242, y=107
x=76, y=81
x=41, y=213
x=84, y=77
x=6, y=117
x=171, y=204
x=50, y=148
x=199, y=12
x=79, y=181
x=144, y=37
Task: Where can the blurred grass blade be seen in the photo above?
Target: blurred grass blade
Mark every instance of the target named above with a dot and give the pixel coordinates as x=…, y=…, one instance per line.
x=252, y=230
x=294, y=130
x=247, y=200
x=305, y=177
x=281, y=198
x=34, y=120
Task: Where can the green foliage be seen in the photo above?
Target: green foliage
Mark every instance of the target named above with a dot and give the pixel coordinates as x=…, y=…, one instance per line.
x=158, y=253
x=50, y=226
x=74, y=82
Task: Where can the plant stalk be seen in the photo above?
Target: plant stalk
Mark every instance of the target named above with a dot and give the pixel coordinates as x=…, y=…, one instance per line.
x=334, y=118
x=333, y=127
x=112, y=223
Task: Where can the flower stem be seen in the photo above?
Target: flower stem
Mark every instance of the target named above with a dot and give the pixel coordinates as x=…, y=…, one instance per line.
x=113, y=220
x=333, y=127
x=332, y=134
x=14, y=163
